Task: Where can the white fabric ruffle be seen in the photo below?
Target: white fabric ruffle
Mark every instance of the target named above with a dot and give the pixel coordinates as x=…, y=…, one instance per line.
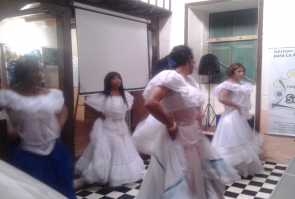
x=51, y=102
x=245, y=87
x=34, y=119
x=189, y=91
x=98, y=101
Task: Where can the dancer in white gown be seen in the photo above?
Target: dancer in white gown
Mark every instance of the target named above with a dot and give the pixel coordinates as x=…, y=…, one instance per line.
x=36, y=116
x=237, y=143
x=183, y=164
x=110, y=156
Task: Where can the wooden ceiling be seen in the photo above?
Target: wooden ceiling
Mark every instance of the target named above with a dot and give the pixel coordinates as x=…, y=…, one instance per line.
x=11, y=8
x=131, y=7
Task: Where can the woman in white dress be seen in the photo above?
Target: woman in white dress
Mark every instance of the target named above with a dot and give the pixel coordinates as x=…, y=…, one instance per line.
x=36, y=116
x=183, y=164
x=110, y=156
x=237, y=143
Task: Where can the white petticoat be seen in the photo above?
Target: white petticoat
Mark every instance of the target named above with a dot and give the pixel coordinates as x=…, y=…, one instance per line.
x=109, y=157
x=243, y=149
x=145, y=134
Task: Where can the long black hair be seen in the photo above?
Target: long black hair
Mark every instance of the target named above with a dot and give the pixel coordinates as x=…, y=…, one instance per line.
x=177, y=57
x=23, y=66
x=107, y=85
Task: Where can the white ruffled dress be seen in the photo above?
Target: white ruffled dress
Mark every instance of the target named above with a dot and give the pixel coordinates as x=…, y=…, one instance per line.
x=234, y=139
x=33, y=117
x=40, y=152
x=110, y=156
x=187, y=167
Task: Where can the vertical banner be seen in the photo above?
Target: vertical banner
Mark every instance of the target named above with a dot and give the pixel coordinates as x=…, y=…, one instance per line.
x=281, y=113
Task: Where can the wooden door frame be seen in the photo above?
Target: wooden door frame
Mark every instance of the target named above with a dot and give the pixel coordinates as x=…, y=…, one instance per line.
x=259, y=50
x=65, y=67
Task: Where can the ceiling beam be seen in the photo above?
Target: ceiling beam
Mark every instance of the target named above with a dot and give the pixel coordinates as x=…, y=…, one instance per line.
x=39, y=17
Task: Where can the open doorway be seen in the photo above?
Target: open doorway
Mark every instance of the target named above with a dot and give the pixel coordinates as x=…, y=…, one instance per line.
x=215, y=27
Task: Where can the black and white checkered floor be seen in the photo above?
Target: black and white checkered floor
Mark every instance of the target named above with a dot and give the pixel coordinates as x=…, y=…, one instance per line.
x=254, y=187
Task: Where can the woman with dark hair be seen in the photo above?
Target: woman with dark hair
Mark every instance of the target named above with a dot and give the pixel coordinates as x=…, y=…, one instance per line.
x=110, y=156
x=183, y=164
x=242, y=152
x=37, y=115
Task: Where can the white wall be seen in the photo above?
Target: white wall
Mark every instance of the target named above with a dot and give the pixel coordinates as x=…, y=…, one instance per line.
x=172, y=29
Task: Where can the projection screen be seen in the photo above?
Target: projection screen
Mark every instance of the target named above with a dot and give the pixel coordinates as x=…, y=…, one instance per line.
x=110, y=43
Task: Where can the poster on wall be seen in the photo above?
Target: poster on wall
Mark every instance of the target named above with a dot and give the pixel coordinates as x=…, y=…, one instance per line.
x=281, y=112
x=50, y=57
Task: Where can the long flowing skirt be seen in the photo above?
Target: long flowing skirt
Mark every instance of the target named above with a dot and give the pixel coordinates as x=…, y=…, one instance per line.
x=109, y=158
x=238, y=144
x=188, y=172
x=55, y=169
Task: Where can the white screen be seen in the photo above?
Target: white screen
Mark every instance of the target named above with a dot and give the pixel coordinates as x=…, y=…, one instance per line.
x=108, y=43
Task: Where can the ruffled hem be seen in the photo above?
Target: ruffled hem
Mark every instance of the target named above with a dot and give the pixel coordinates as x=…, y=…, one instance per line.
x=245, y=87
x=190, y=93
x=218, y=170
x=109, y=157
x=126, y=173
x=244, y=158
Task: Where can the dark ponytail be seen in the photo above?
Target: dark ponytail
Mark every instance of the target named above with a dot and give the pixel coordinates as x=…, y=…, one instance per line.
x=177, y=57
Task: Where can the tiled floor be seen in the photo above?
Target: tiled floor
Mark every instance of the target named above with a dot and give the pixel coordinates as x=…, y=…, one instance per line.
x=256, y=187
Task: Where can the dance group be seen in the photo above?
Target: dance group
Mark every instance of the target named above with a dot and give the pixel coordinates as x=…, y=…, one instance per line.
x=184, y=164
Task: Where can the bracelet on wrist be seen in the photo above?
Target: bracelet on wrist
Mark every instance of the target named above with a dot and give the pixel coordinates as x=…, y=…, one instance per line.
x=173, y=127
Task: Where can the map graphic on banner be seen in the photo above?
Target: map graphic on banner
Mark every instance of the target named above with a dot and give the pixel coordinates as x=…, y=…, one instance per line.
x=281, y=113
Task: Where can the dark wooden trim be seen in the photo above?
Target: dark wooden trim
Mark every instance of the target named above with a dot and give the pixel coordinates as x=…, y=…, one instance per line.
x=259, y=66
x=8, y=13
x=153, y=27
x=65, y=70
x=65, y=67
